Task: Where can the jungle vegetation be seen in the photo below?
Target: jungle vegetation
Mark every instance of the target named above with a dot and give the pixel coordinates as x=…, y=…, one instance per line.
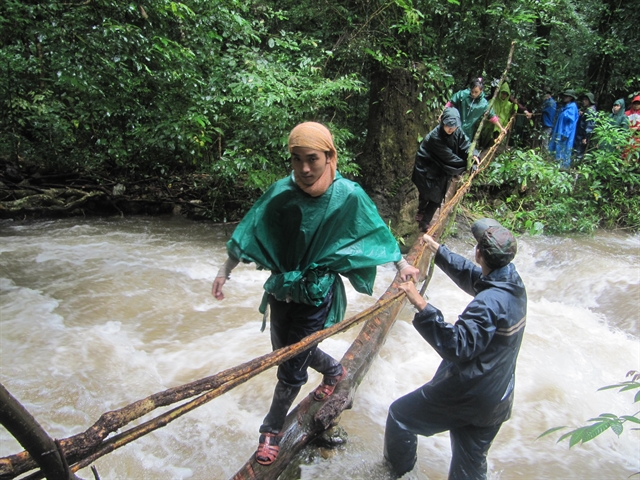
x=194, y=100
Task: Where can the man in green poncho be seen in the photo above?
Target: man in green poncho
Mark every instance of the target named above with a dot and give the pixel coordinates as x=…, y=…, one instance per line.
x=472, y=105
x=308, y=229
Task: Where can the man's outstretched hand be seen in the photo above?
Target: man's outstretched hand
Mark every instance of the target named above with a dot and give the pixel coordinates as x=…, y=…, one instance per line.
x=413, y=295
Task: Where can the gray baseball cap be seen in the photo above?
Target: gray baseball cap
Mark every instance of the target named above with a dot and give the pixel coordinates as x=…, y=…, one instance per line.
x=479, y=226
x=497, y=244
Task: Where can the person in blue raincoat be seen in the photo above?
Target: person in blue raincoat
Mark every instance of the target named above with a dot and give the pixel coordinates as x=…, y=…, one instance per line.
x=548, y=118
x=472, y=392
x=308, y=229
x=564, y=130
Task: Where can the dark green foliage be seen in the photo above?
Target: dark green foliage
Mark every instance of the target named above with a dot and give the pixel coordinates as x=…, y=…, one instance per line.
x=103, y=85
x=534, y=195
x=604, y=421
x=214, y=86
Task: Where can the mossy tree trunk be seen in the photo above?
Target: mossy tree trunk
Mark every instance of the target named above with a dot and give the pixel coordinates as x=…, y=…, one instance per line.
x=398, y=120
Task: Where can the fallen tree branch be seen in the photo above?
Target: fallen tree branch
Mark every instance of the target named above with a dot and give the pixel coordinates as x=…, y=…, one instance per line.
x=30, y=434
x=55, y=199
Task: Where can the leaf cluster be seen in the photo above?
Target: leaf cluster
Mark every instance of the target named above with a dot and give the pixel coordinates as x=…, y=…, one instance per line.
x=160, y=88
x=604, y=421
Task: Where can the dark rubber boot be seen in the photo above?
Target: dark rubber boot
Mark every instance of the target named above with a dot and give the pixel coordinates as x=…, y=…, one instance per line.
x=283, y=397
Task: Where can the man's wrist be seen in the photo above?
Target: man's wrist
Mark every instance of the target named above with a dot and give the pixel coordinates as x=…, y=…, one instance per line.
x=402, y=264
x=421, y=305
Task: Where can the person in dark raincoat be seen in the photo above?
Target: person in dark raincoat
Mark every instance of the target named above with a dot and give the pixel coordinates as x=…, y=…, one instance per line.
x=586, y=123
x=617, y=116
x=442, y=155
x=472, y=392
x=564, y=130
x=308, y=229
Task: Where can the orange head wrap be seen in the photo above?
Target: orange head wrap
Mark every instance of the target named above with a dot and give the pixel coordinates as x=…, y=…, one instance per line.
x=318, y=137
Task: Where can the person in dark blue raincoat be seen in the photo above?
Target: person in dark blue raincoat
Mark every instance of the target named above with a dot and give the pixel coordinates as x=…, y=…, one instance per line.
x=442, y=155
x=472, y=392
x=586, y=124
x=564, y=130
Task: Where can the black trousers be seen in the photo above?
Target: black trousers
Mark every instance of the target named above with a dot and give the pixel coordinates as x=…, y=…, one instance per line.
x=427, y=208
x=290, y=323
x=412, y=415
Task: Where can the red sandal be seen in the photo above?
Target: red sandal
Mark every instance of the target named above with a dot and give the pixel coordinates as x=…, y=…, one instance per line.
x=268, y=448
x=328, y=385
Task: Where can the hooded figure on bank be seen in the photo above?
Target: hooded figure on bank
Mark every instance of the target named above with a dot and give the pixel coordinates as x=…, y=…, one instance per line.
x=564, y=130
x=441, y=156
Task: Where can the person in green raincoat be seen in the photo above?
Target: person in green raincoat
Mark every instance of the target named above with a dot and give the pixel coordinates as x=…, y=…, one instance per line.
x=504, y=108
x=472, y=105
x=620, y=121
x=617, y=116
x=308, y=229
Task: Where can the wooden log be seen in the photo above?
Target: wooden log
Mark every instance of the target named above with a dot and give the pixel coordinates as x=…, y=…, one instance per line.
x=26, y=429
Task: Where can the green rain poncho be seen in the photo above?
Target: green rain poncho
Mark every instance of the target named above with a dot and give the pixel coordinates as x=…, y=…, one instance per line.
x=471, y=110
x=307, y=241
x=619, y=119
x=504, y=109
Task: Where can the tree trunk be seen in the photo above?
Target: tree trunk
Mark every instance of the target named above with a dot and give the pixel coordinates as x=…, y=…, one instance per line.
x=600, y=64
x=543, y=31
x=397, y=123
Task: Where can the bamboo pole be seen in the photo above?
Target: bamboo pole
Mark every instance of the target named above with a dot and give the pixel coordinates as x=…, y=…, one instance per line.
x=495, y=94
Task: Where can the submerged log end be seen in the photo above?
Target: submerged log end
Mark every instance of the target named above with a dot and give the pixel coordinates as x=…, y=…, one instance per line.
x=329, y=414
x=304, y=424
